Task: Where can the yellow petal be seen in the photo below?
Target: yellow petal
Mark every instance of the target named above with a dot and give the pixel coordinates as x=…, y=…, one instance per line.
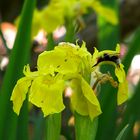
x=118, y=48
x=122, y=92
x=53, y=103
x=19, y=93
x=95, y=56
x=50, y=58
x=93, y=103
x=78, y=101
x=106, y=12
x=36, y=95
x=53, y=17
x=83, y=99
x=47, y=94
x=120, y=73
x=65, y=58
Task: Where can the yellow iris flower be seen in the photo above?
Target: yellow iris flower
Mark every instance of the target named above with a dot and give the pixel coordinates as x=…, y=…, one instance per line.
x=66, y=65
x=54, y=15
x=43, y=88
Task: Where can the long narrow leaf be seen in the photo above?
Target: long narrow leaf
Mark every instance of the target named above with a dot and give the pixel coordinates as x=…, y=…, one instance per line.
x=131, y=110
x=122, y=134
x=18, y=58
x=133, y=49
x=108, y=37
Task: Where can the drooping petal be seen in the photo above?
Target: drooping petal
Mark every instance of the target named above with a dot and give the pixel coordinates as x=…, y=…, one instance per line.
x=92, y=101
x=78, y=100
x=19, y=93
x=120, y=73
x=47, y=94
x=36, y=94
x=83, y=99
x=122, y=92
x=95, y=56
x=53, y=102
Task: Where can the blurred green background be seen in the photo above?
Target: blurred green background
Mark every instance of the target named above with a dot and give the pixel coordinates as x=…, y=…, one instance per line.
x=120, y=123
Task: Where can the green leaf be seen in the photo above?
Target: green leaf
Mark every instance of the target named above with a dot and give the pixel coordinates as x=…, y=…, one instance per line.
x=134, y=48
x=132, y=114
x=51, y=42
x=131, y=110
x=108, y=38
x=39, y=122
x=18, y=58
x=123, y=133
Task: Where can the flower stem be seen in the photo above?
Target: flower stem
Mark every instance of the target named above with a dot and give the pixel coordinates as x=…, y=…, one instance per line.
x=53, y=127
x=53, y=122
x=85, y=128
x=50, y=45
x=70, y=34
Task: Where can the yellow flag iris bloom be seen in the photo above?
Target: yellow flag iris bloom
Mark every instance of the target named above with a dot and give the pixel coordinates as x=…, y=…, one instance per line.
x=43, y=88
x=67, y=65
x=57, y=11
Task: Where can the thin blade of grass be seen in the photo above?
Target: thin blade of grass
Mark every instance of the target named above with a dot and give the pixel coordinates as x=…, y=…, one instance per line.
x=123, y=133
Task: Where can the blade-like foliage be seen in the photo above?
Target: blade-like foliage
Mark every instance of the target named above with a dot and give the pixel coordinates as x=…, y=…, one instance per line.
x=123, y=133
x=18, y=58
x=108, y=37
